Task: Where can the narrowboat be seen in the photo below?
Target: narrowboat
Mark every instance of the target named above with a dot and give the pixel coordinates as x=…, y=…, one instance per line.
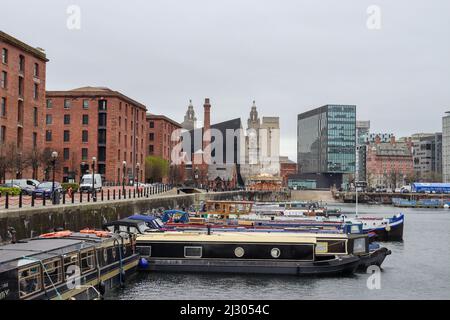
x=262, y=253
x=240, y=212
x=66, y=265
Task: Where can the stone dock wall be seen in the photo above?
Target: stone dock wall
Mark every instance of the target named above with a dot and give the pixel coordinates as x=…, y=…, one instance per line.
x=30, y=222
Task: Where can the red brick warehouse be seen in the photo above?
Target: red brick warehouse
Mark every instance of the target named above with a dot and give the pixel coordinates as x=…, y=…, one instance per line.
x=159, y=143
x=22, y=104
x=96, y=122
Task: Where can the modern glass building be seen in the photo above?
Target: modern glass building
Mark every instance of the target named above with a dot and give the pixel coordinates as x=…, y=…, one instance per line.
x=326, y=143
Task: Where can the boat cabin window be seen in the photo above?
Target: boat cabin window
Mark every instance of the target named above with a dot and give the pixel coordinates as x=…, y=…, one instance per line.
x=123, y=228
x=192, y=252
x=70, y=260
x=30, y=280
x=52, y=272
x=145, y=251
x=134, y=230
x=87, y=261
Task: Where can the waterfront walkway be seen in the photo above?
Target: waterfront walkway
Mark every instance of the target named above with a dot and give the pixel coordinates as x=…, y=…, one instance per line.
x=108, y=194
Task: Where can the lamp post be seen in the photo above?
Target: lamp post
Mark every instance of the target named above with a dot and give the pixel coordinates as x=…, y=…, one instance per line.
x=124, y=167
x=196, y=176
x=94, y=160
x=137, y=177
x=54, y=156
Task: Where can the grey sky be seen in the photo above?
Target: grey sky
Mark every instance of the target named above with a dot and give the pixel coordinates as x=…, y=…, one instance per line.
x=289, y=56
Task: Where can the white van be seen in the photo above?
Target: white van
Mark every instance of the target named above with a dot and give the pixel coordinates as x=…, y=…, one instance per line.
x=86, y=182
x=26, y=185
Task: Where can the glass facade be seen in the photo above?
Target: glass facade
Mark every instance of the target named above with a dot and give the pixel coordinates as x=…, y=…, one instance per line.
x=326, y=140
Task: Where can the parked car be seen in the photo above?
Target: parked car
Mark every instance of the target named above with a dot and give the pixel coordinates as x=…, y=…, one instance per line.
x=26, y=185
x=86, y=182
x=44, y=189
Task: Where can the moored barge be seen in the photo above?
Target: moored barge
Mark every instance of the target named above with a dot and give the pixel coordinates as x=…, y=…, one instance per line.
x=262, y=253
x=66, y=265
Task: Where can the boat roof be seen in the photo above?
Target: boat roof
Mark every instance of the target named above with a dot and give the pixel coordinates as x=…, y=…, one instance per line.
x=262, y=237
x=141, y=217
x=37, y=249
x=239, y=237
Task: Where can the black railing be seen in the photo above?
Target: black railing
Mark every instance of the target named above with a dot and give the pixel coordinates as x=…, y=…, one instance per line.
x=24, y=200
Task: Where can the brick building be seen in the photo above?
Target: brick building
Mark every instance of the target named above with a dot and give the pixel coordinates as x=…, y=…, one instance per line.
x=389, y=164
x=159, y=142
x=22, y=103
x=287, y=167
x=159, y=132
x=96, y=122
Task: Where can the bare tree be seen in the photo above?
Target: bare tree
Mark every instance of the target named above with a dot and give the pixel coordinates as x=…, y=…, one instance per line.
x=16, y=161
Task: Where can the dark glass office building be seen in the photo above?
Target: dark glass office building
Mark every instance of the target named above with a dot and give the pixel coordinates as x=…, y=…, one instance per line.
x=326, y=144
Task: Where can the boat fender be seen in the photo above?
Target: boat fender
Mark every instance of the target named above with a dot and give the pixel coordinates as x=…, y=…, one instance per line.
x=102, y=287
x=388, y=228
x=122, y=276
x=143, y=264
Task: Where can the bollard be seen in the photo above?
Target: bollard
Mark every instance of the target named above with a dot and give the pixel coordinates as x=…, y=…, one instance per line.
x=101, y=197
x=64, y=197
x=134, y=193
x=73, y=197
x=7, y=200
x=114, y=194
x=20, y=199
x=88, y=197
x=43, y=198
x=129, y=193
x=81, y=197
x=32, y=199
x=108, y=195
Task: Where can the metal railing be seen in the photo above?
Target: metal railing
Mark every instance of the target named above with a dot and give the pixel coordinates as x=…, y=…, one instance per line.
x=107, y=194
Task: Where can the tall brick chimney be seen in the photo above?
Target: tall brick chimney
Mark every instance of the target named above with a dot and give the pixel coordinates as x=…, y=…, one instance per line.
x=206, y=138
x=206, y=123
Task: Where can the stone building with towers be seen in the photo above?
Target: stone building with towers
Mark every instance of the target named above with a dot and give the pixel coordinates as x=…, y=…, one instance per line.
x=209, y=160
x=190, y=121
x=262, y=146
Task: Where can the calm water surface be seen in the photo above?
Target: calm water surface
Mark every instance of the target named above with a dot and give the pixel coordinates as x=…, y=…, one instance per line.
x=419, y=268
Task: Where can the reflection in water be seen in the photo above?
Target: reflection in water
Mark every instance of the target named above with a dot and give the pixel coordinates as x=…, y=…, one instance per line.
x=417, y=269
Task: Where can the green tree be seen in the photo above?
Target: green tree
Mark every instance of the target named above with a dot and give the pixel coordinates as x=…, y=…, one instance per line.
x=156, y=168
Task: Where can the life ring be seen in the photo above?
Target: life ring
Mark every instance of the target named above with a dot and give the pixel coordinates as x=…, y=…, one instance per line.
x=59, y=234
x=388, y=228
x=98, y=233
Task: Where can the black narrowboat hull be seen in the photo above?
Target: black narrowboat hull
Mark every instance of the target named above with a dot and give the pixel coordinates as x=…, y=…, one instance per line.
x=339, y=266
x=374, y=258
x=394, y=234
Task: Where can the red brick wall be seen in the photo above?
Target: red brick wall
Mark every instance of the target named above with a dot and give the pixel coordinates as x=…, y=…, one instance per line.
x=286, y=169
x=11, y=93
x=162, y=131
x=379, y=167
x=117, y=109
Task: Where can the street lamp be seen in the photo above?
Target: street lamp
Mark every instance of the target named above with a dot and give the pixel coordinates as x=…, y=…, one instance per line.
x=137, y=176
x=124, y=166
x=94, y=160
x=196, y=176
x=54, y=156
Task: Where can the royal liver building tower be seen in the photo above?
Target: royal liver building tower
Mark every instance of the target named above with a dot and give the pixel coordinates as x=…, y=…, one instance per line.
x=262, y=144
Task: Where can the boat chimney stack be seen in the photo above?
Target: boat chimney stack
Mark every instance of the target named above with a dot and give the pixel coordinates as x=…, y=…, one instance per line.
x=208, y=226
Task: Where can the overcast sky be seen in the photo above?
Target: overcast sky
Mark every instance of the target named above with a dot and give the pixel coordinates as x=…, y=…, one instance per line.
x=290, y=56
